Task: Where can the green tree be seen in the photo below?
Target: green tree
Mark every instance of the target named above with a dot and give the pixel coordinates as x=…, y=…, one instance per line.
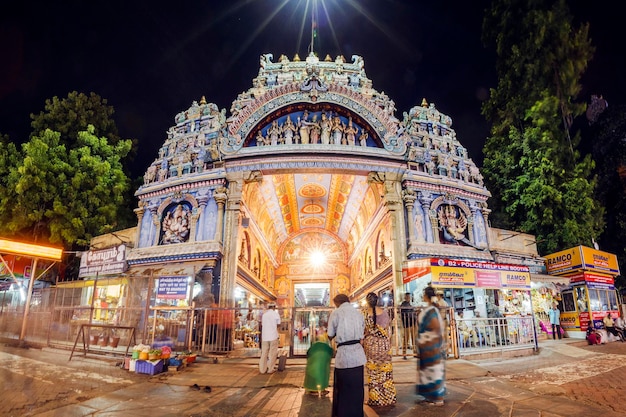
x=71, y=115
x=609, y=146
x=66, y=195
x=9, y=158
x=539, y=182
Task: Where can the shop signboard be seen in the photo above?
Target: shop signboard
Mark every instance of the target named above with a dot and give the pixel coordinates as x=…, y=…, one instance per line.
x=581, y=258
x=574, y=322
x=595, y=260
x=414, y=269
x=593, y=280
x=16, y=266
x=449, y=273
x=488, y=279
x=103, y=261
x=452, y=277
x=173, y=287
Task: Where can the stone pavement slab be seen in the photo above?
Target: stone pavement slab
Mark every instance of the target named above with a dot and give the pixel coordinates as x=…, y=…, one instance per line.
x=511, y=387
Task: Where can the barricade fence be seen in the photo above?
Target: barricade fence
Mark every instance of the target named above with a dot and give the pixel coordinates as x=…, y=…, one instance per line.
x=55, y=322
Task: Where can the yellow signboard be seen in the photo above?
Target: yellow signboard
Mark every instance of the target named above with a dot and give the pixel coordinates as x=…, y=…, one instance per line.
x=581, y=258
x=443, y=276
x=595, y=260
x=480, y=274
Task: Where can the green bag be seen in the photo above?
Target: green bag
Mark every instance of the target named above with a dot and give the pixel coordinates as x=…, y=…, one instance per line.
x=317, y=374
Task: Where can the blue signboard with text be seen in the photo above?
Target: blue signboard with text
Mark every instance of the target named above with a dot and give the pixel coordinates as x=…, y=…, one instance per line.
x=173, y=288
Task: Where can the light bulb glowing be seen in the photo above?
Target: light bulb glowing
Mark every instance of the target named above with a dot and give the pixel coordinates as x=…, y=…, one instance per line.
x=318, y=258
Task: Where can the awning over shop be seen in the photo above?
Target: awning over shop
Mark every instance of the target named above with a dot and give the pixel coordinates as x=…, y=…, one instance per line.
x=548, y=279
x=102, y=281
x=170, y=269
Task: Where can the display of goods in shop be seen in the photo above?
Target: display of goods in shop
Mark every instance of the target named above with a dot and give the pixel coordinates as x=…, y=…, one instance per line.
x=114, y=341
x=176, y=362
x=149, y=367
x=154, y=354
x=166, y=352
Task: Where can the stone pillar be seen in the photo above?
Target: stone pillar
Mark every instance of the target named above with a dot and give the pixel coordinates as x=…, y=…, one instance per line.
x=485, y=212
x=139, y=212
x=146, y=238
x=409, y=198
x=393, y=201
x=430, y=218
x=199, y=231
x=220, y=197
x=155, y=230
x=230, y=221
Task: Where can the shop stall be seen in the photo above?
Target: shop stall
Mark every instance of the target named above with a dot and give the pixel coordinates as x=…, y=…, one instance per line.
x=590, y=294
x=491, y=302
x=545, y=290
x=472, y=288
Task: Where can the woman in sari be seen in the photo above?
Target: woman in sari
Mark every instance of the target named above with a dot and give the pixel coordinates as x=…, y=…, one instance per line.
x=377, y=345
x=431, y=373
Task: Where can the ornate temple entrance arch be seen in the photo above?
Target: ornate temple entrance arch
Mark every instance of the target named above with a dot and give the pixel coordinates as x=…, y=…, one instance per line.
x=312, y=149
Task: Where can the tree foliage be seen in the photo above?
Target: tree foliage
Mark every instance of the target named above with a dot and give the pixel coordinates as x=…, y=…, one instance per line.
x=609, y=146
x=539, y=182
x=73, y=114
x=65, y=195
x=9, y=158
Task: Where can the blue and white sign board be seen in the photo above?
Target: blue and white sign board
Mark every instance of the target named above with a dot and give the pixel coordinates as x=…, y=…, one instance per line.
x=173, y=288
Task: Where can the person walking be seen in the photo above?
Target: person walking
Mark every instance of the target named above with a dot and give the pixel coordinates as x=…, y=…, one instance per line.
x=555, y=321
x=347, y=326
x=431, y=372
x=269, y=339
x=377, y=345
x=407, y=313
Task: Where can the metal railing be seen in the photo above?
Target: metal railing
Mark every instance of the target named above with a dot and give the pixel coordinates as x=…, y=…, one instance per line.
x=237, y=331
x=495, y=334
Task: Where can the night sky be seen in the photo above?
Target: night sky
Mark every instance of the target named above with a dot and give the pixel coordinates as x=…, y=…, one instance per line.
x=151, y=60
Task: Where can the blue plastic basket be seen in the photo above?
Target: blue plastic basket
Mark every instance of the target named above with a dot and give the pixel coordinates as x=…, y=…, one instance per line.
x=149, y=367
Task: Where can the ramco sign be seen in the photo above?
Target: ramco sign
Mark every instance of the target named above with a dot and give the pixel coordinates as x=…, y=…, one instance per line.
x=581, y=258
x=104, y=261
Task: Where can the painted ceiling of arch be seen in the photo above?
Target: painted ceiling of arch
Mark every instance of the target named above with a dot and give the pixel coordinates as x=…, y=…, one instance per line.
x=300, y=107
x=283, y=205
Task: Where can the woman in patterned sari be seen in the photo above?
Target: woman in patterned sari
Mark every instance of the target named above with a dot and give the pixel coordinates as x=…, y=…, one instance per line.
x=431, y=374
x=377, y=345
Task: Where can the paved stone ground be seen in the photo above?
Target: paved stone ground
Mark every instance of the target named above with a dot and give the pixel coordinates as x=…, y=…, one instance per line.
x=566, y=378
x=593, y=375
x=34, y=380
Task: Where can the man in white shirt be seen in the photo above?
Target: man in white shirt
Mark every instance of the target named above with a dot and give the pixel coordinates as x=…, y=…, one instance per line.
x=347, y=326
x=269, y=337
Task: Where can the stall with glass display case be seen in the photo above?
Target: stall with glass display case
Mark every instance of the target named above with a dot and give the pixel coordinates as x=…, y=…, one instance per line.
x=590, y=294
x=586, y=301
